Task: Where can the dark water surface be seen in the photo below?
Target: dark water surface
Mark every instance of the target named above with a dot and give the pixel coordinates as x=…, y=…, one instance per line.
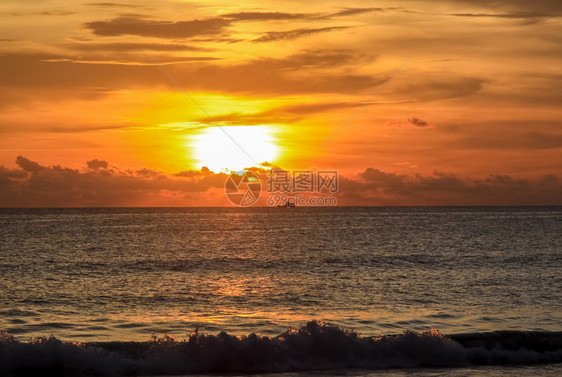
x=120, y=275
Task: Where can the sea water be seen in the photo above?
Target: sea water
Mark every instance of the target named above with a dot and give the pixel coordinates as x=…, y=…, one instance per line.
x=346, y=290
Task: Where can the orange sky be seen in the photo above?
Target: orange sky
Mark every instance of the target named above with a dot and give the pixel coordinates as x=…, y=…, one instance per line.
x=473, y=118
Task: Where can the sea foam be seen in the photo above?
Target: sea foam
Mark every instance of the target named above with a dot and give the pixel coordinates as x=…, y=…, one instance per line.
x=314, y=346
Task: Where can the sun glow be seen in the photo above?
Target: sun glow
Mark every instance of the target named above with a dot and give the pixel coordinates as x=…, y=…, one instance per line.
x=235, y=148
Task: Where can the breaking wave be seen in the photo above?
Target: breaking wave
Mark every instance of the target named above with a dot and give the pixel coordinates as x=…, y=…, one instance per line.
x=314, y=346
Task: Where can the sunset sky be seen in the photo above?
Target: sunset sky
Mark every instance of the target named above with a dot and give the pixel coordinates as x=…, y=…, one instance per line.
x=90, y=115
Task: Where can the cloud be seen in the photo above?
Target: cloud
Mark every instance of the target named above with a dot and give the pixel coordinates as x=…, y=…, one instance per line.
x=193, y=28
x=412, y=122
x=113, y=5
x=158, y=29
x=375, y=187
x=46, y=13
x=352, y=12
x=309, y=71
x=528, y=18
x=516, y=15
x=28, y=165
x=97, y=164
x=297, y=73
x=319, y=59
x=294, y=34
x=312, y=108
x=417, y=122
x=272, y=16
x=390, y=181
x=552, y=7
x=149, y=173
x=303, y=72
x=265, y=16
x=281, y=115
x=35, y=185
x=48, y=71
x=96, y=47
x=214, y=26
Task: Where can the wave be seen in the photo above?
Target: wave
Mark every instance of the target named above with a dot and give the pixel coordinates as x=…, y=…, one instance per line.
x=314, y=346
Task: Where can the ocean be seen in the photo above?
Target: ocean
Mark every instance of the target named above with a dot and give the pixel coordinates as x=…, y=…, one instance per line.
x=291, y=291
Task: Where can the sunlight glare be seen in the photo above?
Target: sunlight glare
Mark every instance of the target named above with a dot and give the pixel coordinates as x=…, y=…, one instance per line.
x=214, y=148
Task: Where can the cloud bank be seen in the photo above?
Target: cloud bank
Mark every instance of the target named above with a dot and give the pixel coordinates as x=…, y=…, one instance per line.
x=99, y=184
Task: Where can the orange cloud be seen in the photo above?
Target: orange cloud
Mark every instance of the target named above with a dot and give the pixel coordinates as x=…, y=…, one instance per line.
x=81, y=81
x=294, y=34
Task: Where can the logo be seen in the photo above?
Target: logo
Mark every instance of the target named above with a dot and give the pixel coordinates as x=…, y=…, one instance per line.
x=242, y=188
x=302, y=188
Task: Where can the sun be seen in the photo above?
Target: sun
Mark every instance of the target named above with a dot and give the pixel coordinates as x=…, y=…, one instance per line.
x=234, y=148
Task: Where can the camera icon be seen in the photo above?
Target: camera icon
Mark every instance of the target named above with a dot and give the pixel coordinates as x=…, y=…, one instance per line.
x=242, y=188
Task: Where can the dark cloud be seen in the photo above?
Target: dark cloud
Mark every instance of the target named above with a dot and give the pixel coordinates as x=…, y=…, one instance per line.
x=45, y=13
x=182, y=29
x=353, y=11
x=273, y=16
x=133, y=47
x=412, y=122
x=149, y=173
x=417, y=122
x=50, y=126
x=298, y=73
x=43, y=70
x=526, y=17
x=265, y=16
x=550, y=7
x=313, y=71
x=375, y=187
x=158, y=29
x=389, y=181
x=130, y=57
x=194, y=173
x=7, y=174
x=35, y=185
x=97, y=164
x=515, y=15
x=28, y=165
x=136, y=25
x=294, y=34
x=113, y=5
